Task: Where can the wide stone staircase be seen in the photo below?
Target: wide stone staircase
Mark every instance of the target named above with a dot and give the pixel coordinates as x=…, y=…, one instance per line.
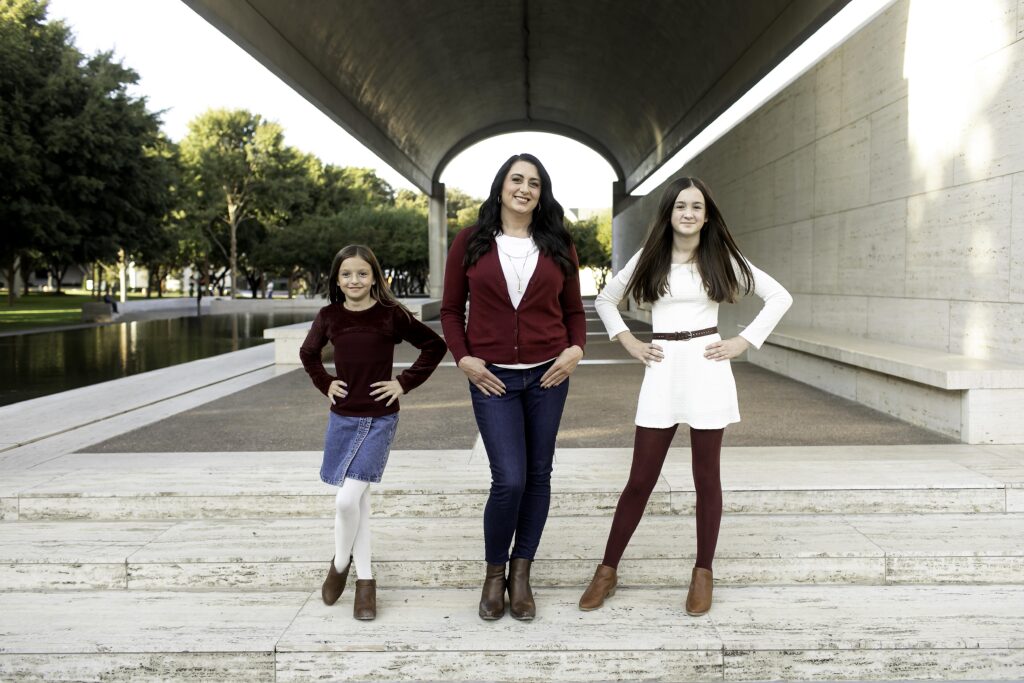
x=834, y=563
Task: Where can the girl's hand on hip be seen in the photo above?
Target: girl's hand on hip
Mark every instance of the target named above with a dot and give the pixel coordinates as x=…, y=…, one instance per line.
x=482, y=378
x=726, y=349
x=562, y=367
x=389, y=390
x=337, y=388
x=645, y=352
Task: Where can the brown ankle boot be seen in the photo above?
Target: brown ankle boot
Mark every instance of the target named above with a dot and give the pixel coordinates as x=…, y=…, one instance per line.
x=492, y=597
x=520, y=596
x=601, y=587
x=364, y=608
x=698, y=599
x=334, y=584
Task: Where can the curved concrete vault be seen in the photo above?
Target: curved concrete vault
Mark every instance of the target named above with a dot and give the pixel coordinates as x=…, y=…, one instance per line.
x=419, y=81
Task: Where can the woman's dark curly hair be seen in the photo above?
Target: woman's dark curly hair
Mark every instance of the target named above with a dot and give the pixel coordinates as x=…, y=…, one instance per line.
x=547, y=227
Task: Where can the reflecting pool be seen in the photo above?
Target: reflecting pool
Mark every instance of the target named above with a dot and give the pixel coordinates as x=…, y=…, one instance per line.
x=44, y=363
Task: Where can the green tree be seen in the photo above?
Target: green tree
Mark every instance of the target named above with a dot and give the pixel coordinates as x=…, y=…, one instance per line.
x=30, y=50
x=239, y=171
x=590, y=248
x=367, y=188
x=81, y=182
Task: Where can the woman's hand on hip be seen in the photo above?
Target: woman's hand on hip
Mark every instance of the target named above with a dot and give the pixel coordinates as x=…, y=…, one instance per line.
x=726, y=349
x=337, y=388
x=482, y=378
x=645, y=352
x=562, y=367
x=389, y=390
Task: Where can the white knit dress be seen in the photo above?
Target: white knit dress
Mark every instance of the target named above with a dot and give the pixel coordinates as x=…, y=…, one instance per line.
x=686, y=387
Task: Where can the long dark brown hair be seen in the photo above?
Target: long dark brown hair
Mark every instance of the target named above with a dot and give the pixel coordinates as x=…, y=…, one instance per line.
x=715, y=253
x=546, y=228
x=379, y=290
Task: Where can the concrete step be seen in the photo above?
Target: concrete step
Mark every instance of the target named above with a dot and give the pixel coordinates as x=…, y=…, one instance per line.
x=755, y=633
x=292, y=554
x=454, y=483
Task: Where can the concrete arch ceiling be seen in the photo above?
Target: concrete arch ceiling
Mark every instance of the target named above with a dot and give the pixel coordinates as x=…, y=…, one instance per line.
x=419, y=81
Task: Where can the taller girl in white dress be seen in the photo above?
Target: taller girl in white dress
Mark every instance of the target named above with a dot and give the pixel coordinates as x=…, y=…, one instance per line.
x=688, y=265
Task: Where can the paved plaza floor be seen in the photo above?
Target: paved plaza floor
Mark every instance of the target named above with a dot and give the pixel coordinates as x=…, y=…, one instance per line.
x=286, y=412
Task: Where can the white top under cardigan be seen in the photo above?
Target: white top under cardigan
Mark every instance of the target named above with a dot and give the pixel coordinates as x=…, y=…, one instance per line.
x=518, y=258
x=686, y=387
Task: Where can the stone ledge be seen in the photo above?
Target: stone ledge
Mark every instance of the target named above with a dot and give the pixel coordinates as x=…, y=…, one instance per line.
x=971, y=399
x=37, y=418
x=924, y=366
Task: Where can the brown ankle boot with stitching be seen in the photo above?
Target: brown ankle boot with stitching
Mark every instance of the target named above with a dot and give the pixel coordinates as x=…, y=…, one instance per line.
x=492, y=597
x=698, y=598
x=364, y=608
x=601, y=587
x=520, y=596
x=334, y=584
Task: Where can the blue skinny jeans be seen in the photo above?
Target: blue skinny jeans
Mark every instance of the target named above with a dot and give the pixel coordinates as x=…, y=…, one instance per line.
x=518, y=431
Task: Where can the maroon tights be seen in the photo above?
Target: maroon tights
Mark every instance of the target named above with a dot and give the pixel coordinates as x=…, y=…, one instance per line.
x=650, y=446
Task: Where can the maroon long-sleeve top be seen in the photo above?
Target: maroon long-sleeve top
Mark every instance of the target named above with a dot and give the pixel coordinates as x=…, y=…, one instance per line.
x=364, y=351
x=550, y=317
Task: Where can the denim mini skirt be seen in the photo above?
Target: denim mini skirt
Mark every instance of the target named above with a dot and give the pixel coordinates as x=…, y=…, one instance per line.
x=357, y=447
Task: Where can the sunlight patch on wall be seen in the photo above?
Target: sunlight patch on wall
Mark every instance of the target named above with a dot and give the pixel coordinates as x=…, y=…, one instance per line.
x=948, y=93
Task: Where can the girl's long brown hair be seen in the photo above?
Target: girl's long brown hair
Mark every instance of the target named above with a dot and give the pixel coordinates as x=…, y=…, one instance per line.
x=379, y=290
x=715, y=254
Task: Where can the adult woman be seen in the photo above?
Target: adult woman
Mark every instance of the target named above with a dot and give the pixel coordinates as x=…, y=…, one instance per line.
x=525, y=334
x=688, y=265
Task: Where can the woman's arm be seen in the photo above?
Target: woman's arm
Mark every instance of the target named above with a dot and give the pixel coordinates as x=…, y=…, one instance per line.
x=453, y=319
x=453, y=301
x=607, y=302
x=310, y=354
x=776, y=302
x=574, y=317
x=607, y=305
x=432, y=349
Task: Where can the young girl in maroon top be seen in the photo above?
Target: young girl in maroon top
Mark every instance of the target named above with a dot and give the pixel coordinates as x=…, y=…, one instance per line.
x=364, y=322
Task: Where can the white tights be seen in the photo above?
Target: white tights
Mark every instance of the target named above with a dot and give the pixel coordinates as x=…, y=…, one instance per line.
x=352, y=527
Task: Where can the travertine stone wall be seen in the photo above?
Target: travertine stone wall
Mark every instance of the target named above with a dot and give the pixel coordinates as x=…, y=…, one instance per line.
x=885, y=187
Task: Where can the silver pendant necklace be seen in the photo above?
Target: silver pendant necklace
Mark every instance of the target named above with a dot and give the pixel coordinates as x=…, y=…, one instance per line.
x=518, y=272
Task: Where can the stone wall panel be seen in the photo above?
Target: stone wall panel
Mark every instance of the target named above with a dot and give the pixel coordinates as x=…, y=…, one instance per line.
x=842, y=169
x=958, y=242
x=872, y=249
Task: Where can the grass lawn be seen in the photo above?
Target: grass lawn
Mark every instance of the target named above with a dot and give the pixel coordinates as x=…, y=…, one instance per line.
x=43, y=310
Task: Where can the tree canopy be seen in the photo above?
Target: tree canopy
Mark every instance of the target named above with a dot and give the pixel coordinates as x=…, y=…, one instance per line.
x=79, y=161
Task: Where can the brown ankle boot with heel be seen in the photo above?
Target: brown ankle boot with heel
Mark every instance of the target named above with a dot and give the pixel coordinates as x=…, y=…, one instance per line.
x=492, y=597
x=334, y=584
x=364, y=608
x=601, y=587
x=520, y=595
x=698, y=598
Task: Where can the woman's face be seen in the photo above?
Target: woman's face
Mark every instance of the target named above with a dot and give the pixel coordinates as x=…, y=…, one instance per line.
x=521, y=190
x=355, y=277
x=689, y=213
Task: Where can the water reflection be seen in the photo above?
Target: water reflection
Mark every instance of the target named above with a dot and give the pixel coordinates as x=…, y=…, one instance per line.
x=39, y=364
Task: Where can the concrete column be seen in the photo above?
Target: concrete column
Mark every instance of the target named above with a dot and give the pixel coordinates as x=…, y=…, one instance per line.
x=620, y=243
x=437, y=238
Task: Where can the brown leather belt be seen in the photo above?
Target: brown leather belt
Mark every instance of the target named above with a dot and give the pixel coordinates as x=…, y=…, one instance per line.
x=683, y=336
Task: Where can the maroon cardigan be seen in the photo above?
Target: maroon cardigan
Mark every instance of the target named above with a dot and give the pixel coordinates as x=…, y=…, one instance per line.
x=550, y=318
